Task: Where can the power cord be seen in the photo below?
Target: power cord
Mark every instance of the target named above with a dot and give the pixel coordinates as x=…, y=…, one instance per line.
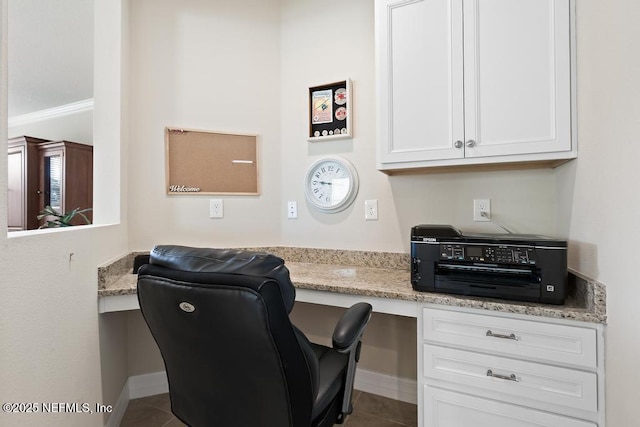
x=498, y=223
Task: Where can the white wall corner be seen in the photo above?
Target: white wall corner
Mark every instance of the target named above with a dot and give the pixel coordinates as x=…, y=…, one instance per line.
x=136, y=387
x=119, y=408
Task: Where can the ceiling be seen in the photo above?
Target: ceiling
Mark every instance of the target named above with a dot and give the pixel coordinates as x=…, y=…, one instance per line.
x=50, y=54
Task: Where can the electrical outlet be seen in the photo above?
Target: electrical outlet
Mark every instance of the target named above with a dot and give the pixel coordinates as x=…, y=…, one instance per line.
x=292, y=210
x=482, y=209
x=216, y=208
x=371, y=210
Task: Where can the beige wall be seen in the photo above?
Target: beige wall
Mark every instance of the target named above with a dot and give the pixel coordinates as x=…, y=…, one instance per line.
x=388, y=345
x=210, y=65
x=247, y=66
x=143, y=356
x=598, y=191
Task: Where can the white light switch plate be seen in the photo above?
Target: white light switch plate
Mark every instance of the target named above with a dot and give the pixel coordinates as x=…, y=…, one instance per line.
x=292, y=210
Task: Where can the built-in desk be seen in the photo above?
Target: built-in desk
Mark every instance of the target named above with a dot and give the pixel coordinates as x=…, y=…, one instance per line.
x=340, y=278
x=447, y=326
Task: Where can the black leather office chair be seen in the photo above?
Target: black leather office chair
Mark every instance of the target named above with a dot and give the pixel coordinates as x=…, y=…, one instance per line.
x=233, y=357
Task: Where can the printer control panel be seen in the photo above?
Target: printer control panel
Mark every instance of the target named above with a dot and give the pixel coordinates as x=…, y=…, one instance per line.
x=498, y=254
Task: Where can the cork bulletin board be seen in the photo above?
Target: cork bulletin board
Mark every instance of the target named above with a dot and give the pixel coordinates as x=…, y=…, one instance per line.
x=203, y=162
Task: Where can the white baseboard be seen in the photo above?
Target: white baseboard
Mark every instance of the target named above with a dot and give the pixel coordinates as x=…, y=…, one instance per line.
x=369, y=381
x=145, y=385
x=148, y=385
x=120, y=407
x=136, y=387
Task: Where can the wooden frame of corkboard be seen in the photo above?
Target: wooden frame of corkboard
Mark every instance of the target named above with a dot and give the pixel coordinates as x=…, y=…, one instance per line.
x=202, y=162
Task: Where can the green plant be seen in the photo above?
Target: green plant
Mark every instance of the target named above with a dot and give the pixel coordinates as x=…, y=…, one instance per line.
x=56, y=219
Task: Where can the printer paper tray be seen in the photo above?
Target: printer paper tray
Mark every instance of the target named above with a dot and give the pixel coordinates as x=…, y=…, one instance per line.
x=517, y=292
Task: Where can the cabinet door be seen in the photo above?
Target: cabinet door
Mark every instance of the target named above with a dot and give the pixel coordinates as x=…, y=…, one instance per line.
x=420, y=78
x=449, y=409
x=517, y=77
x=16, y=187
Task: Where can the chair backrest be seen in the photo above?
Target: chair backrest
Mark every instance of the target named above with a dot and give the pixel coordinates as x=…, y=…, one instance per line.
x=231, y=354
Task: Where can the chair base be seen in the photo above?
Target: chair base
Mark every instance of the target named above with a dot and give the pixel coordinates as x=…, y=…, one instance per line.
x=332, y=415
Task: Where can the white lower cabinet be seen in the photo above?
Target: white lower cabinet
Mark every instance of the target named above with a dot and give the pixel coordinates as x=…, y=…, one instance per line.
x=482, y=369
x=445, y=408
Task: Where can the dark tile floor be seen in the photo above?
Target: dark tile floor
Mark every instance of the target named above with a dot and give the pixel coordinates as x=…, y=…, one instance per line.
x=369, y=410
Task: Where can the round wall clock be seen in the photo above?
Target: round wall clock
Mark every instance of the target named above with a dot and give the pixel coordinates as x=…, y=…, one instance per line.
x=331, y=184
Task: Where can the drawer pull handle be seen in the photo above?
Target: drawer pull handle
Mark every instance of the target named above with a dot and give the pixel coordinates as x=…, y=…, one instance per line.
x=506, y=337
x=511, y=377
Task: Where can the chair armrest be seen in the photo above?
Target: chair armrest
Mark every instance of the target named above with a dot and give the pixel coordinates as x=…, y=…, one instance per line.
x=351, y=326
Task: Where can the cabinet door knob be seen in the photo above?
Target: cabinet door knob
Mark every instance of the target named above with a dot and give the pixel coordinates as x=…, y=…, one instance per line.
x=458, y=144
x=471, y=143
x=38, y=192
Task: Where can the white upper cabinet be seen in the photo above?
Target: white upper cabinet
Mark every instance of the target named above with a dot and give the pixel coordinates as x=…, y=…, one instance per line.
x=420, y=79
x=473, y=82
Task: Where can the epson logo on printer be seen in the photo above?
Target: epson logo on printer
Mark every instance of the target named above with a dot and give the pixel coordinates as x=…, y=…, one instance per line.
x=429, y=239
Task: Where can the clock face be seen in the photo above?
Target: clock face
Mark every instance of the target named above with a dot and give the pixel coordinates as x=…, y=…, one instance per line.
x=331, y=184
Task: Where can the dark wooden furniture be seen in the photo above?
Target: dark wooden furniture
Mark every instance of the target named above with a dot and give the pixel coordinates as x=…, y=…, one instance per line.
x=66, y=177
x=22, y=197
x=41, y=173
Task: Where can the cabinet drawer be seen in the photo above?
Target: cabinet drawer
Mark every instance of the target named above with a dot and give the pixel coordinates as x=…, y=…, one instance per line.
x=513, y=380
x=445, y=408
x=545, y=342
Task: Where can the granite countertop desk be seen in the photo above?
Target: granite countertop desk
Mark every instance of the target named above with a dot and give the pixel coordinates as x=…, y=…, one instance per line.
x=379, y=277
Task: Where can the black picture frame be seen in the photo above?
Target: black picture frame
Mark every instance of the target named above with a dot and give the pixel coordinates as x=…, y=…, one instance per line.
x=330, y=111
